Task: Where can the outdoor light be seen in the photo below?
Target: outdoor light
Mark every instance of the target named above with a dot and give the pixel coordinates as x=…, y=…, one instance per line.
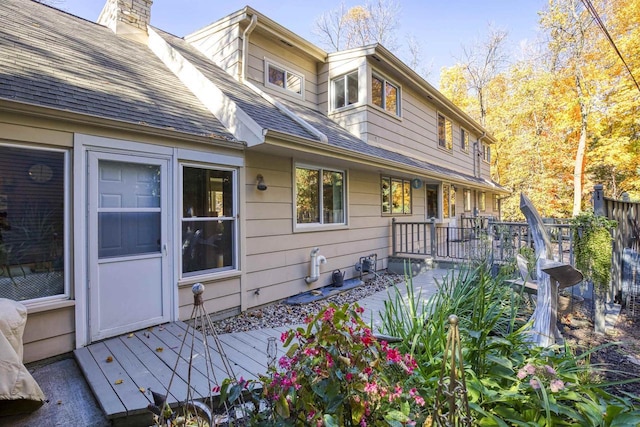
x=260, y=185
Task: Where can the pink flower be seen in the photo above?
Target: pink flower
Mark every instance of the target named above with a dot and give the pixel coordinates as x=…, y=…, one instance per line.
x=284, y=336
x=530, y=369
x=328, y=314
x=349, y=376
x=550, y=370
x=284, y=362
x=371, y=387
x=393, y=355
x=534, y=383
x=419, y=400
x=359, y=310
x=522, y=373
x=556, y=386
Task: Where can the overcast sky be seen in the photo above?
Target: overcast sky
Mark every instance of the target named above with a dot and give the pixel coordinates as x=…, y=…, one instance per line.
x=442, y=27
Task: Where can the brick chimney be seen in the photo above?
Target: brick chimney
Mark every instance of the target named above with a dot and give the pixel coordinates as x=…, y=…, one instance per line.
x=127, y=18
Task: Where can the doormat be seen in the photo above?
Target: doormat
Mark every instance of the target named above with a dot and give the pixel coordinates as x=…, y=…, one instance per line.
x=322, y=293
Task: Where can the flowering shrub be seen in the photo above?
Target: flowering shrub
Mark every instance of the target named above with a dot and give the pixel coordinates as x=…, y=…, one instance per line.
x=336, y=373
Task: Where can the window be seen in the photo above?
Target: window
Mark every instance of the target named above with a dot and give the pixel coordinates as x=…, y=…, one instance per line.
x=208, y=220
x=496, y=202
x=483, y=202
x=385, y=95
x=345, y=90
x=448, y=201
x=32, y=223
x=445, y=132
x=432, y=201
x=486, y=152
x=464, y=140
x=466, y=193
x=284, y=79
x=396, y=196
x=320, y=196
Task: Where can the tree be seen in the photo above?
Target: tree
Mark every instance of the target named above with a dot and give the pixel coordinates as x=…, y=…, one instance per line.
x=360, y=25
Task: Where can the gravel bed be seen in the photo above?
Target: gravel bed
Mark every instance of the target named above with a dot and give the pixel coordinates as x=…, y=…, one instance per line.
x=281, y=314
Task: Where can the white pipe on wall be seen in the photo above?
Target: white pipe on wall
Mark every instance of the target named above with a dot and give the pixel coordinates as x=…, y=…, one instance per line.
x=314, y=267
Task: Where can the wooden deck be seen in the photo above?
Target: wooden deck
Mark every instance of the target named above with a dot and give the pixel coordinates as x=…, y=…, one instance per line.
x=120, y=370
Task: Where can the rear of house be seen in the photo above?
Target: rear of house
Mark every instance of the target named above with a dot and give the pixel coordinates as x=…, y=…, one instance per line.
x=131, y=163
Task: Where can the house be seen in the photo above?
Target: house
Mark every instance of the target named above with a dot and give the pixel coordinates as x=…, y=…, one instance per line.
x=134, y=164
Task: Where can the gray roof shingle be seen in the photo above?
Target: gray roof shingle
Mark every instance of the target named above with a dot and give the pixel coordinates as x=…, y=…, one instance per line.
x=53, y=59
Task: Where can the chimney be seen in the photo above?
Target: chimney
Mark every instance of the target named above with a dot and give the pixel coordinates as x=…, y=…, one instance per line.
x=127, y=18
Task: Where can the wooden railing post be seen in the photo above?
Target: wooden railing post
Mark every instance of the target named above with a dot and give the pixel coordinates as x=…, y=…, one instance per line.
x=393, y=237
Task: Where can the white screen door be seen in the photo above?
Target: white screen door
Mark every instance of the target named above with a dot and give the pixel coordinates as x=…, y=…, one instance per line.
x=127, y=238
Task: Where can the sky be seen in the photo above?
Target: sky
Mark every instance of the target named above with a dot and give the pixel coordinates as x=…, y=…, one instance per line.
x=441, y=27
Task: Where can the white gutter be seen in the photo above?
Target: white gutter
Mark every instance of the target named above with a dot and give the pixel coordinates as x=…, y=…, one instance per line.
x=243, y=74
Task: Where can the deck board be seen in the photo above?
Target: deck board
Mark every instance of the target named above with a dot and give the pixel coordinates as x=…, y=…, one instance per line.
x=139, y=362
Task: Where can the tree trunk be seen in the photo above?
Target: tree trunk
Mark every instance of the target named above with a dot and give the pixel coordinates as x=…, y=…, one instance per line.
x=580, y=153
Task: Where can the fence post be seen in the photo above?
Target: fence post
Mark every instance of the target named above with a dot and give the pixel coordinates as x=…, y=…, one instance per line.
x=434, y=247
x=393, y=236
x=598, y=200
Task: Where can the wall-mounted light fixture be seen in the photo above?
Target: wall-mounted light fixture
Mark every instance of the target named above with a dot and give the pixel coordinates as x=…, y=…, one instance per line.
x=260, y=185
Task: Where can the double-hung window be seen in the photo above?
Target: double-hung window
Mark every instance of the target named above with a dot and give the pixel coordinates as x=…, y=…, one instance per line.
x=445, y=132
x=385, y=95
x=345, y=90
x=448, y=201
x=486, y=152
x=320, y=196
x=464, y=140
x=284, y=79
x=466, y=193
x=396, y=196
x=209, y=206
x=482, y=202
x=33, y=212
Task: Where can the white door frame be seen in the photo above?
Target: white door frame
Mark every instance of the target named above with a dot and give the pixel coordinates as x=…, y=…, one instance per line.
x=83, y=144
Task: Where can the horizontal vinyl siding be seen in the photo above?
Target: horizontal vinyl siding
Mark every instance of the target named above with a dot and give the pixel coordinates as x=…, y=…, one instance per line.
x=279, y=54
x=278, y=259
x=49, y=333
x=224, y=48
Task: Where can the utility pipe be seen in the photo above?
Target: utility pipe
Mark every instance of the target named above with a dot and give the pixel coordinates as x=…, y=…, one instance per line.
x=314, y=267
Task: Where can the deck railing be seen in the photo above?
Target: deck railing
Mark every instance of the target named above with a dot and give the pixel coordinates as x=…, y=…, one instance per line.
x=482, y=239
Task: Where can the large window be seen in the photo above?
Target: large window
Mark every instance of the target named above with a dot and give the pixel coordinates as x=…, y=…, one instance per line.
x=208, y=220
x=320, y=196
x=284, y=79
x=345, y=90
x=32, y=217
x=396, y=196
x=445, y=132
x=466, y=195
x=385, y=95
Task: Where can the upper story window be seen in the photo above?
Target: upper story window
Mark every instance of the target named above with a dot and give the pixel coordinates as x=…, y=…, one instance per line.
x=282, y=78
x=33, y=212
x=486, y=152
x=445, y=132
x=345, y=90
x=464, y=140
x=208, y=220
x=320, y=196
x=385, y=95
x=396, y=196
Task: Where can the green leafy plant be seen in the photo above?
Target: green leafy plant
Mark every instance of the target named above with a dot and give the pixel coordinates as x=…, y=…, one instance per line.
x=336, y=373
x=593, y=247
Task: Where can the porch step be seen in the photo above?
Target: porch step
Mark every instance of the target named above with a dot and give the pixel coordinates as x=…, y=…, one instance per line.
x=410, y=263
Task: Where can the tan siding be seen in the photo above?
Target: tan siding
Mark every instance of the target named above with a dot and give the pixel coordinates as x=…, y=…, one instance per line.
x=218, y=296
x=223, y=47
x=21, y=133
x=49, y=333
x=280, y=54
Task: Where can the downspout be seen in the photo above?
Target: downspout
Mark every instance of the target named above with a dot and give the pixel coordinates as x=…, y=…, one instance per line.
x=243, y=79
x=477, y=165
x=245, y=46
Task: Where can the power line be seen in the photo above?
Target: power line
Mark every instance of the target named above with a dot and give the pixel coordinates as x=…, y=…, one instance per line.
x=592, y=10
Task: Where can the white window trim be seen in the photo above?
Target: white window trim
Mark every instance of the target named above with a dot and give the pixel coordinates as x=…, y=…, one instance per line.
x=332, y=91
x=287, y=70
x=315, y=226
x=385, y=80
x=212, y=272
x=66, y=228
x=446, y=119
x=466, y=132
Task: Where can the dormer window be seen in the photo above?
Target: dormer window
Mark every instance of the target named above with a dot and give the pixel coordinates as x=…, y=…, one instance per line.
x=345, y=90
x=385, y=95
x=282, y=78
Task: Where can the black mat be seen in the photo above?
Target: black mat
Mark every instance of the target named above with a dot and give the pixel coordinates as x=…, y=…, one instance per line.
x=322, y=293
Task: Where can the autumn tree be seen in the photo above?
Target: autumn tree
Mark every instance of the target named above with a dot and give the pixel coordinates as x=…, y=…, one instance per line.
x=345, y=28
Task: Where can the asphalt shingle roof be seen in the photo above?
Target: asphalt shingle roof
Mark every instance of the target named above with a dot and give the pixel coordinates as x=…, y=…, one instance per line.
x=53, y=59
x=259, y=109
